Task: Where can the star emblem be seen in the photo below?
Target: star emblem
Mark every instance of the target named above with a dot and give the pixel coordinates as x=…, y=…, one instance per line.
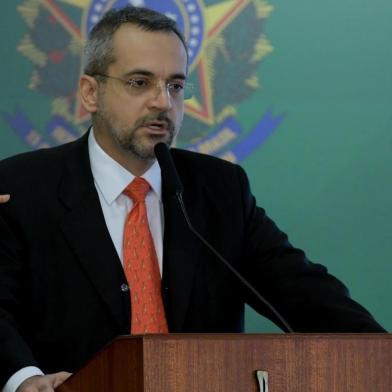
x=217, y=17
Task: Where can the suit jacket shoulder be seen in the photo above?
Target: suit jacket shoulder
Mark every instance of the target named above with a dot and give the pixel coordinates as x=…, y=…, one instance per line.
x=44, y=166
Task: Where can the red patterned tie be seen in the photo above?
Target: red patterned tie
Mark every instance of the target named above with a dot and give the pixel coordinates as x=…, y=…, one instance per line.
x=141, y=265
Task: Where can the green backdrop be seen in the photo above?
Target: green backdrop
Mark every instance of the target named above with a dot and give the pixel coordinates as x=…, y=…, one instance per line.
x=323, y=171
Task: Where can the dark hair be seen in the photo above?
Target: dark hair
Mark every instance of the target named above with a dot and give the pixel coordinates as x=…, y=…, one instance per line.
x=99, y=46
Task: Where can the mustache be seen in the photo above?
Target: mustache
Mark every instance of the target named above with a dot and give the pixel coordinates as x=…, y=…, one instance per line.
x=161, y=116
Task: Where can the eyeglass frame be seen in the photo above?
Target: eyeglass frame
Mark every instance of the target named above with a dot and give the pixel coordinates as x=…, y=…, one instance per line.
x=187, y=88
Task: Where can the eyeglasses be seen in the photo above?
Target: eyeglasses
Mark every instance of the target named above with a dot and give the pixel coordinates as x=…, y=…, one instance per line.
x=137, y=86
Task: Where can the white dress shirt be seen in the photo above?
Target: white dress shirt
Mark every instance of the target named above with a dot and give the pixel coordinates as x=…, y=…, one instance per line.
x=110, y=179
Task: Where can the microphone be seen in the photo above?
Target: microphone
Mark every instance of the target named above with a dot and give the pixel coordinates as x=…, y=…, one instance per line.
x=168, y=169
x=174, y=186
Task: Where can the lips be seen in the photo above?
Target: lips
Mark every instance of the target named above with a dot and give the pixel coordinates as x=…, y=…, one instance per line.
x=157, y=125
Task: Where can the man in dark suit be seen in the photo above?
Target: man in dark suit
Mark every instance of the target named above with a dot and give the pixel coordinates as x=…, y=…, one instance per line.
x=64, y=293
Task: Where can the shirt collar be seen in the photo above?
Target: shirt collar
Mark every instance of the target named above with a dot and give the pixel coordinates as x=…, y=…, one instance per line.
x=111, y=178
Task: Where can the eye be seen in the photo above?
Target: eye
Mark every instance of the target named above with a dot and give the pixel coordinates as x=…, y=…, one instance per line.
x=176, y=87
x=138, y=83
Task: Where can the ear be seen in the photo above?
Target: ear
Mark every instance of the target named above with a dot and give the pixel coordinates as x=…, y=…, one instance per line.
x=88, y=90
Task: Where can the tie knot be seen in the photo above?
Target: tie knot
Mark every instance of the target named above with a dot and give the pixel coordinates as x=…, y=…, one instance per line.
x=137, y=190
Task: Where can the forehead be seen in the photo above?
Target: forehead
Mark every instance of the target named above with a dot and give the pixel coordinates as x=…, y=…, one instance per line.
x=159, y=52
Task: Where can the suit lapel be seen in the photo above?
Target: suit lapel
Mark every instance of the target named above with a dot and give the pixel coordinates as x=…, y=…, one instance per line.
x=86, y=232
x=182, y=251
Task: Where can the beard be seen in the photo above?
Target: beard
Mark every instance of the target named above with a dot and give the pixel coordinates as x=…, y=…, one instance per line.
x=129, y=139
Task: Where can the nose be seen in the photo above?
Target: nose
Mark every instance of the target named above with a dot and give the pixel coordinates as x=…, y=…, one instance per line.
x=161, y=98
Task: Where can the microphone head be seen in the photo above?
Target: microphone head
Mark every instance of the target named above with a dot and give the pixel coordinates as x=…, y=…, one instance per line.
x=161, y=149
x=168, y=169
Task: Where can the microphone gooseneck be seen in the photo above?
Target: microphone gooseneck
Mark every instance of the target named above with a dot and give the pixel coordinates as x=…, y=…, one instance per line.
x=172, y=180
x=174, y=185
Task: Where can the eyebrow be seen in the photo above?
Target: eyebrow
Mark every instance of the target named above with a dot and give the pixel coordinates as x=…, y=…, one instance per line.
x=150, y=74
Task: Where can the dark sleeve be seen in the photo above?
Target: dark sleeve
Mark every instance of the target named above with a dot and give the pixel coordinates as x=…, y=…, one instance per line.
x=14, y=352
x=304, y=293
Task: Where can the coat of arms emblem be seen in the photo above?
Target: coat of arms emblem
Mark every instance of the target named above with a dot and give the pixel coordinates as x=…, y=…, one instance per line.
x=227, y=45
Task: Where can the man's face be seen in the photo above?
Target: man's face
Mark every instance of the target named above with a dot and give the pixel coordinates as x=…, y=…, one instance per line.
x=137, y=115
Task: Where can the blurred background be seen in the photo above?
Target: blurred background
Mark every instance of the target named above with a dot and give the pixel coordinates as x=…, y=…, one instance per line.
x=299, y=93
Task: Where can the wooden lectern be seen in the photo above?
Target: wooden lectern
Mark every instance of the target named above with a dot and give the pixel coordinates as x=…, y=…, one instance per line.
x=229, y=362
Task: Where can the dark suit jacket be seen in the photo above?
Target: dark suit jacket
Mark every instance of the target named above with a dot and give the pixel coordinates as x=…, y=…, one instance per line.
x=60, y=291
